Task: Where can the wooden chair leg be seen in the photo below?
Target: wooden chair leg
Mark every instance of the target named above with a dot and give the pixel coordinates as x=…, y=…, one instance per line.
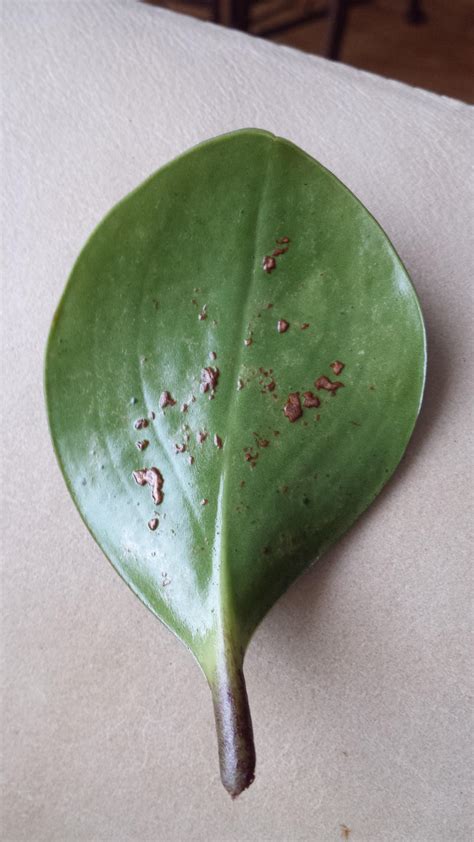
x=239, y=14
x=415, y=13
x=338, y=10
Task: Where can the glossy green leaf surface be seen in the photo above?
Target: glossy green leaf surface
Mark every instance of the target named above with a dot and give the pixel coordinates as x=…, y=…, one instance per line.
x=174, y=276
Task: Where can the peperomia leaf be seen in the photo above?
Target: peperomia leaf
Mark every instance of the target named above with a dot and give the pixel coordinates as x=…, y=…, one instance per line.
x=232, y=375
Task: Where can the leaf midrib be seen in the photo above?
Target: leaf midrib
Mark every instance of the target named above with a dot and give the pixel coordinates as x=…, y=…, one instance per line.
x=225, y=614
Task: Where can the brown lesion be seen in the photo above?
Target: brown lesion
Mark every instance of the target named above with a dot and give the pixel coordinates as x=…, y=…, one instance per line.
x=152, y=477
x=141, y=423
x=310, y=400
x=325, y=383
x=292, y=408
x=337, y=367
x=250, y=457
x=268, y=264
x=166, y=400
x=209, y=379
x=270, y=386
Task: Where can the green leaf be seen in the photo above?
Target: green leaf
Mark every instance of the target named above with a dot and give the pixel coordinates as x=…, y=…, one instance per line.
x=173, y=276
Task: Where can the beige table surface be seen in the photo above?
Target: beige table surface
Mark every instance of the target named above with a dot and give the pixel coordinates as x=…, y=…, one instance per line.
x=359, y=676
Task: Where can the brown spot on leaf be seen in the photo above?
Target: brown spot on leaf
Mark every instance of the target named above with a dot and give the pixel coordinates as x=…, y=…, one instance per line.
x=263, y=443
x=201, y=437
x=191, y=460
x=153, y=478
x=180, y=448
x=143, y=444
x=337, y=367
x=310, y=400
x=292, y=408
x=305, y=326
x=282, y=240
x=277, y=252
x=325, y=383
x=209, y=378
x=151, y=415
x=251, y=458
x=141, y=423
x=166, y=400
x=183, y=407
x=282, y=326
x=247, y=342
x=269, y=264
x=240, y=384
x=218, y=441
x=212, y=355
x=204, y=501
x=153, y=524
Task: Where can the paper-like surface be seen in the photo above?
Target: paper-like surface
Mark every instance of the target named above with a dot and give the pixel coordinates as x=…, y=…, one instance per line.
x=358, y=678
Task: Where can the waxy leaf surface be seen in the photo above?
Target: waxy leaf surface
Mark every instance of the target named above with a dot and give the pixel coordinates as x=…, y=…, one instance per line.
x=171, y=283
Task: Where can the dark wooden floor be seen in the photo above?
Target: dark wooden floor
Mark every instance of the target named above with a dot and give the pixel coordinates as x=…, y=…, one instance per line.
x=437, y=55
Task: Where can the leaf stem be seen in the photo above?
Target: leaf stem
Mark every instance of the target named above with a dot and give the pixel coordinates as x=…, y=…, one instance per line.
x=233, y=724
